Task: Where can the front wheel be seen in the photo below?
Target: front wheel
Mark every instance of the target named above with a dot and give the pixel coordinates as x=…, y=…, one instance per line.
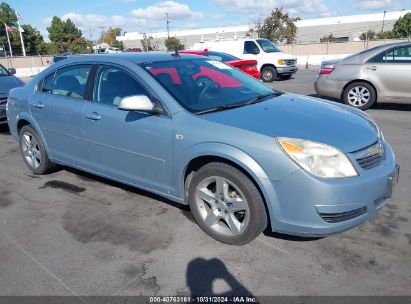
x=226, y=204
x=268, y=74
x=33, y=151
x=360, y=95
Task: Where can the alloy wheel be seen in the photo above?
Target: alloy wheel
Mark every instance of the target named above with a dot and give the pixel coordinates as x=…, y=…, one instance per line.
x=31, y=150
x=359, y=96
x=222, y=206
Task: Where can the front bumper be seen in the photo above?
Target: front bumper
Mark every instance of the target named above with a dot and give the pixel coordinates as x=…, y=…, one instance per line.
x=286, y=70
x=303, y=205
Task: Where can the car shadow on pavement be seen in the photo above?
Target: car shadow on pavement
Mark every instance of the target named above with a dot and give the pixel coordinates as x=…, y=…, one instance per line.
x=4, y=129
x=89, y=177
x=202, y=273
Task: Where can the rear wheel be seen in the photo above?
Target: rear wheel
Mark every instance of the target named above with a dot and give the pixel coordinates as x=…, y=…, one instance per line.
x=226, y=204
x=33, y=151
x=268, y=74
x=360, y=95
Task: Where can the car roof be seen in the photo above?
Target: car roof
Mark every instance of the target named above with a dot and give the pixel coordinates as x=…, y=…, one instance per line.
x=129, y=56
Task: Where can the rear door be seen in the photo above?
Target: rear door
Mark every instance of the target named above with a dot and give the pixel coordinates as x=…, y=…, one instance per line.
x=57, y=107
x=390, y=72
x=135, y=147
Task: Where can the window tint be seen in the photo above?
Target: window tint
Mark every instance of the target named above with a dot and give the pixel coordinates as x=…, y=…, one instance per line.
x=71, y=81
x=399, y=55
x=114, y=84
x=250, y=48
x=379, y=58
x=47, y=83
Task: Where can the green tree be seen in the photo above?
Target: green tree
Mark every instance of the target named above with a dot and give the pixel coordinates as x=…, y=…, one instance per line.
x=172, y=43
x=33, y=41
x=386, y=35
x=7, y=16
x=277, y=27
x=402, y=27
x=370, y=34
x=117, y=44
x=66, y=37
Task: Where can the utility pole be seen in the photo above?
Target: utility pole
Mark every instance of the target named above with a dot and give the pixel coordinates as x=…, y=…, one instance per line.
x=168, y=24
x=383, y=21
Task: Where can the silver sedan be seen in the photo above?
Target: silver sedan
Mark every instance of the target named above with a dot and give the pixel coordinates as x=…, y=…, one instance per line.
x=379, y=74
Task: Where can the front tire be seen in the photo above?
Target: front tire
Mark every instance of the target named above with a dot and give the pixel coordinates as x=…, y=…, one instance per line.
x=33, y=151
x=226, y=204
x=268, y=74
x=360, y=95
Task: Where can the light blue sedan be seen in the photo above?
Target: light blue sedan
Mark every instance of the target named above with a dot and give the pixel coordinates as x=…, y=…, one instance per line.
x=243, y=156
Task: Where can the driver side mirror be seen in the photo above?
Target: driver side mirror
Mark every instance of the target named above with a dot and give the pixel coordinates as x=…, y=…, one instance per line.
x=138, y=103
x=12, y=71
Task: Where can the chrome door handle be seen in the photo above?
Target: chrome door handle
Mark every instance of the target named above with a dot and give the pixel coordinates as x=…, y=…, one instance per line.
x=38, y=105
x=93, y=116
x=372, y=68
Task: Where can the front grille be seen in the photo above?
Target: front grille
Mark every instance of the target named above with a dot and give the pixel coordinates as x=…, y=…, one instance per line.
x=290, y=61
x=343, y=216
x=3, y=100
x=370, y=161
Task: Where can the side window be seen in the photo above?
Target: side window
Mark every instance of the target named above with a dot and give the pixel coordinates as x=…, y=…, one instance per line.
x=47, y=84
x=399, y=55
x=113, y=84
x=71, y=81
x=251, y=48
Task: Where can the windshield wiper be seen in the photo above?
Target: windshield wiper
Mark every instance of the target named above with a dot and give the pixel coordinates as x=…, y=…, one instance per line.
x=220, y=108
x=257, y=99
x=260, y=98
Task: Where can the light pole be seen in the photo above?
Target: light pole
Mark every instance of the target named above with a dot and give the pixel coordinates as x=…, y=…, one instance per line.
x=168, y=26
x=383, y=21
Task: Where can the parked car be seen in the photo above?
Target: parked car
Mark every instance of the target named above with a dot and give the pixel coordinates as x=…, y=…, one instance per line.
x=247, y=66
x=239, y=153
x=7, y=82
x=272, y=63
x=379, y=74
x=133, y=50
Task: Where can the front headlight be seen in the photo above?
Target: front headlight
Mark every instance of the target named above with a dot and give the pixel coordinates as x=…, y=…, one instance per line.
x=319, y=159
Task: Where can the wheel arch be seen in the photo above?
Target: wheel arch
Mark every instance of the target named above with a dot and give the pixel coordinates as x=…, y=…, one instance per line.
x=23, y=120
x=359, y=80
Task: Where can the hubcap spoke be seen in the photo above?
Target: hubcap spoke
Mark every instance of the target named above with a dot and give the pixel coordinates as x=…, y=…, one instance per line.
x=211, y=219
x=206, y=195
x=233, y=223
x=238, y=205
x=26, y=140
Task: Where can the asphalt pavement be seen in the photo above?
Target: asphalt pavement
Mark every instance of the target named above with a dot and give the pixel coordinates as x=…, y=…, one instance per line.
x=72, y=233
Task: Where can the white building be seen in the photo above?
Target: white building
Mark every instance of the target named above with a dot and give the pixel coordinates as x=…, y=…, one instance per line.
x=344, y=28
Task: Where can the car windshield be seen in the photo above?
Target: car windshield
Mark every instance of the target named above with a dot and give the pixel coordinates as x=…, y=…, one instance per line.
x=3, y=71
x=204, y=85
x=267, y=46
x=221, y=56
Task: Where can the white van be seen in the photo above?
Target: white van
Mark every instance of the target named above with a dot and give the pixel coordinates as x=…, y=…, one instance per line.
x=271, y=61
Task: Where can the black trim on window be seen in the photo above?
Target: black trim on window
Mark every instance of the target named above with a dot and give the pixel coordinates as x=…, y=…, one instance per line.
x=91, y=82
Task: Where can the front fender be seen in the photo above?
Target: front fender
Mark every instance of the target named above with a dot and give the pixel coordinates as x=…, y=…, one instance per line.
x=225, y=151
x=27, y=116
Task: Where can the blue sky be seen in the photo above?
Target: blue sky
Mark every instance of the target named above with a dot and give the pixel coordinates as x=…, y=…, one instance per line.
x=148, y=16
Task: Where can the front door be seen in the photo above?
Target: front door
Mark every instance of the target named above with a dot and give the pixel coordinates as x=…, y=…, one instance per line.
x=134, y=147
x=390, y=72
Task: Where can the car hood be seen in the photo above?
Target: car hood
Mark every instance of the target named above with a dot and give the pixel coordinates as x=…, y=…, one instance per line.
x=7, y=83
x=302, y=117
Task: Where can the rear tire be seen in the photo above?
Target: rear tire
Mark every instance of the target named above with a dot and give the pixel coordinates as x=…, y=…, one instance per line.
x=33, y=151
x=226, y=204
x=268, y=74
x=360, y=95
